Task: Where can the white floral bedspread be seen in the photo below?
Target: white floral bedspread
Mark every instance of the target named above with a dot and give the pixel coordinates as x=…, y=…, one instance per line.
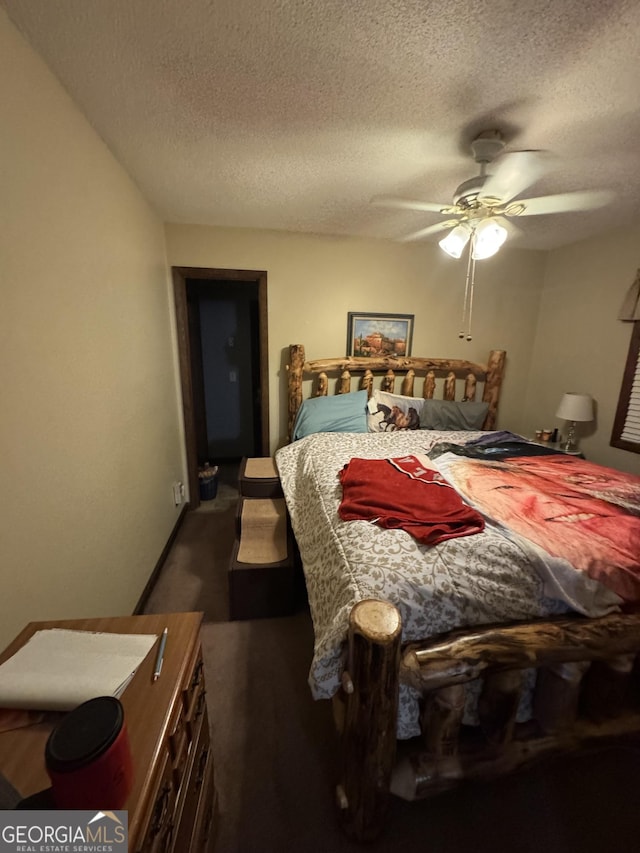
x=471, y=580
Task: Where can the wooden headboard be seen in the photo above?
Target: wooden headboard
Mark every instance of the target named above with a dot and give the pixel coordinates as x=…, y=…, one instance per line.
x=447, y=370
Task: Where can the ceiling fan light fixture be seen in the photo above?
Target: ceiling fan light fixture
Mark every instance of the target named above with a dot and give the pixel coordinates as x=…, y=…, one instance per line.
x=455, y=241
x=488, y=237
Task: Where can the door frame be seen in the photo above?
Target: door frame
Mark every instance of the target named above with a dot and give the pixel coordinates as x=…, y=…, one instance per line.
x=180, y=276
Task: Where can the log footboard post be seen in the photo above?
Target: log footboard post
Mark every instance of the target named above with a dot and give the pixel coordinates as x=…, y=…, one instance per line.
x=495, y=370
x=369, y=735
x=294, y=382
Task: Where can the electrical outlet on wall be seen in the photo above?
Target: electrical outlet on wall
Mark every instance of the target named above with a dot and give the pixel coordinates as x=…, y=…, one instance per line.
x=178, y=493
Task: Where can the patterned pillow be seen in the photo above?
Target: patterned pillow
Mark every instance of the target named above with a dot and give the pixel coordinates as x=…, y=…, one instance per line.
x=387, y=412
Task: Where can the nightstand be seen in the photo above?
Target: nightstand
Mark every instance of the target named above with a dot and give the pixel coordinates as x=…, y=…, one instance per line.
x=555, y=445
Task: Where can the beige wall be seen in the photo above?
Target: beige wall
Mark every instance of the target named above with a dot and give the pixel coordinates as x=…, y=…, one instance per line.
x=89, y=431
x=580, y=344
x=314, y=281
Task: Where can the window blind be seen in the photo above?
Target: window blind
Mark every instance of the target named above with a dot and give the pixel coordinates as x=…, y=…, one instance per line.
x=626, y=427
x=631, y=428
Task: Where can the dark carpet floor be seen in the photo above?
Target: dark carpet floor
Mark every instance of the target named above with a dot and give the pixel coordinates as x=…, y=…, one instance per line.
x=276, y=751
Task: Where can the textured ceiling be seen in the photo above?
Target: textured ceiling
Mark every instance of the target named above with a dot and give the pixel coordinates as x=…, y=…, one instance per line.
x=292, y=114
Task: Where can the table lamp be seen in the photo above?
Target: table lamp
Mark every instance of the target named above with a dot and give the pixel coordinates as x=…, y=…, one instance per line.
x=574, y=408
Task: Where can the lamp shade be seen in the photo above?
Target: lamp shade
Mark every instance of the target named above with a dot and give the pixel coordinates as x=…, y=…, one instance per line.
x=489, y=236
x=455, y=241
x=575, y=407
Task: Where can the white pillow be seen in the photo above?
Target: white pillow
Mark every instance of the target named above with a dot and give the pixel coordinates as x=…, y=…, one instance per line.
x=388, y=412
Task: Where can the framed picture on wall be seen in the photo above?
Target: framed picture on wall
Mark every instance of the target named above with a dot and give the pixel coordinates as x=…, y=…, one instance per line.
x=375, y=335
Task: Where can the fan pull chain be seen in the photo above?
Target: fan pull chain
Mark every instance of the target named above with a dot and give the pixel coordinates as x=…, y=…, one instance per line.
x=467, y=305
x=473, y=281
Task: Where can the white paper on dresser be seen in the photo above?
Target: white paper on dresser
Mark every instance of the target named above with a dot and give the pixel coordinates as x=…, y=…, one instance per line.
x=58, y=669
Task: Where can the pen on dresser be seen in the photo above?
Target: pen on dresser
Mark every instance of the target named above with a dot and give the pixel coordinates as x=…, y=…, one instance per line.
x=160, y=658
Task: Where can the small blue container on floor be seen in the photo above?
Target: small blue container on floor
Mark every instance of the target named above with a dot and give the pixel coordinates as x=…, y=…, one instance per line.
x=208, y=488
x=208, y=483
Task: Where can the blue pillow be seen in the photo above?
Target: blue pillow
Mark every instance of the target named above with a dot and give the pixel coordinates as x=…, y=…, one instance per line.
x=341, y=413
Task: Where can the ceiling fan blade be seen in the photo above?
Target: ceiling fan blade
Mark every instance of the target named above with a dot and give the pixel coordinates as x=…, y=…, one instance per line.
x=430, y=229
x=411, y=204
x=513, y=172
x=583, y=200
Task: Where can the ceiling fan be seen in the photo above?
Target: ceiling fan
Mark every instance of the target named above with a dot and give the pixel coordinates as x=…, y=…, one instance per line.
x=484, y=205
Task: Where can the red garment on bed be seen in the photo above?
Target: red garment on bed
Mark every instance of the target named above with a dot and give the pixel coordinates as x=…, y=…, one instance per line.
x=408, y=494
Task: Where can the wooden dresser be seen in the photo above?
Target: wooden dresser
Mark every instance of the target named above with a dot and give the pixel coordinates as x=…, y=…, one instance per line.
x=172, y=805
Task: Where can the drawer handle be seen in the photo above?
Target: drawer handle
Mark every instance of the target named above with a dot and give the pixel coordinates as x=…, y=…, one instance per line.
x=202, y=763
x=197, y=675
x=200, y=706
x=160, y=810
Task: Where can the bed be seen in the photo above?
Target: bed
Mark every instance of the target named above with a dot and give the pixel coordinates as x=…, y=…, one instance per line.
x=469, y=656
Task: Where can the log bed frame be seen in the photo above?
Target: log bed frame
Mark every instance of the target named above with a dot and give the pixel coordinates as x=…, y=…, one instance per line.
x=588, y=681
x=449, y=370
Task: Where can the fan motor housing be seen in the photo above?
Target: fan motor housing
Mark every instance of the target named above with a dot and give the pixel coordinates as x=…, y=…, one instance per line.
x=467, y=193
x=485, y=148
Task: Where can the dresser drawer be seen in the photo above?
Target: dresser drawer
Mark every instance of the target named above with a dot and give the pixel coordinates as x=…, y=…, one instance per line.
x=206, y=819
x=159, y=825
x=197, y=711
x=199, y=786
x=195, y=683
x=178, y=732
x=180, y=763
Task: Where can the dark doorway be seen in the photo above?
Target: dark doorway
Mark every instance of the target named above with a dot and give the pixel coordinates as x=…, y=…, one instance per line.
x=222, y=339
